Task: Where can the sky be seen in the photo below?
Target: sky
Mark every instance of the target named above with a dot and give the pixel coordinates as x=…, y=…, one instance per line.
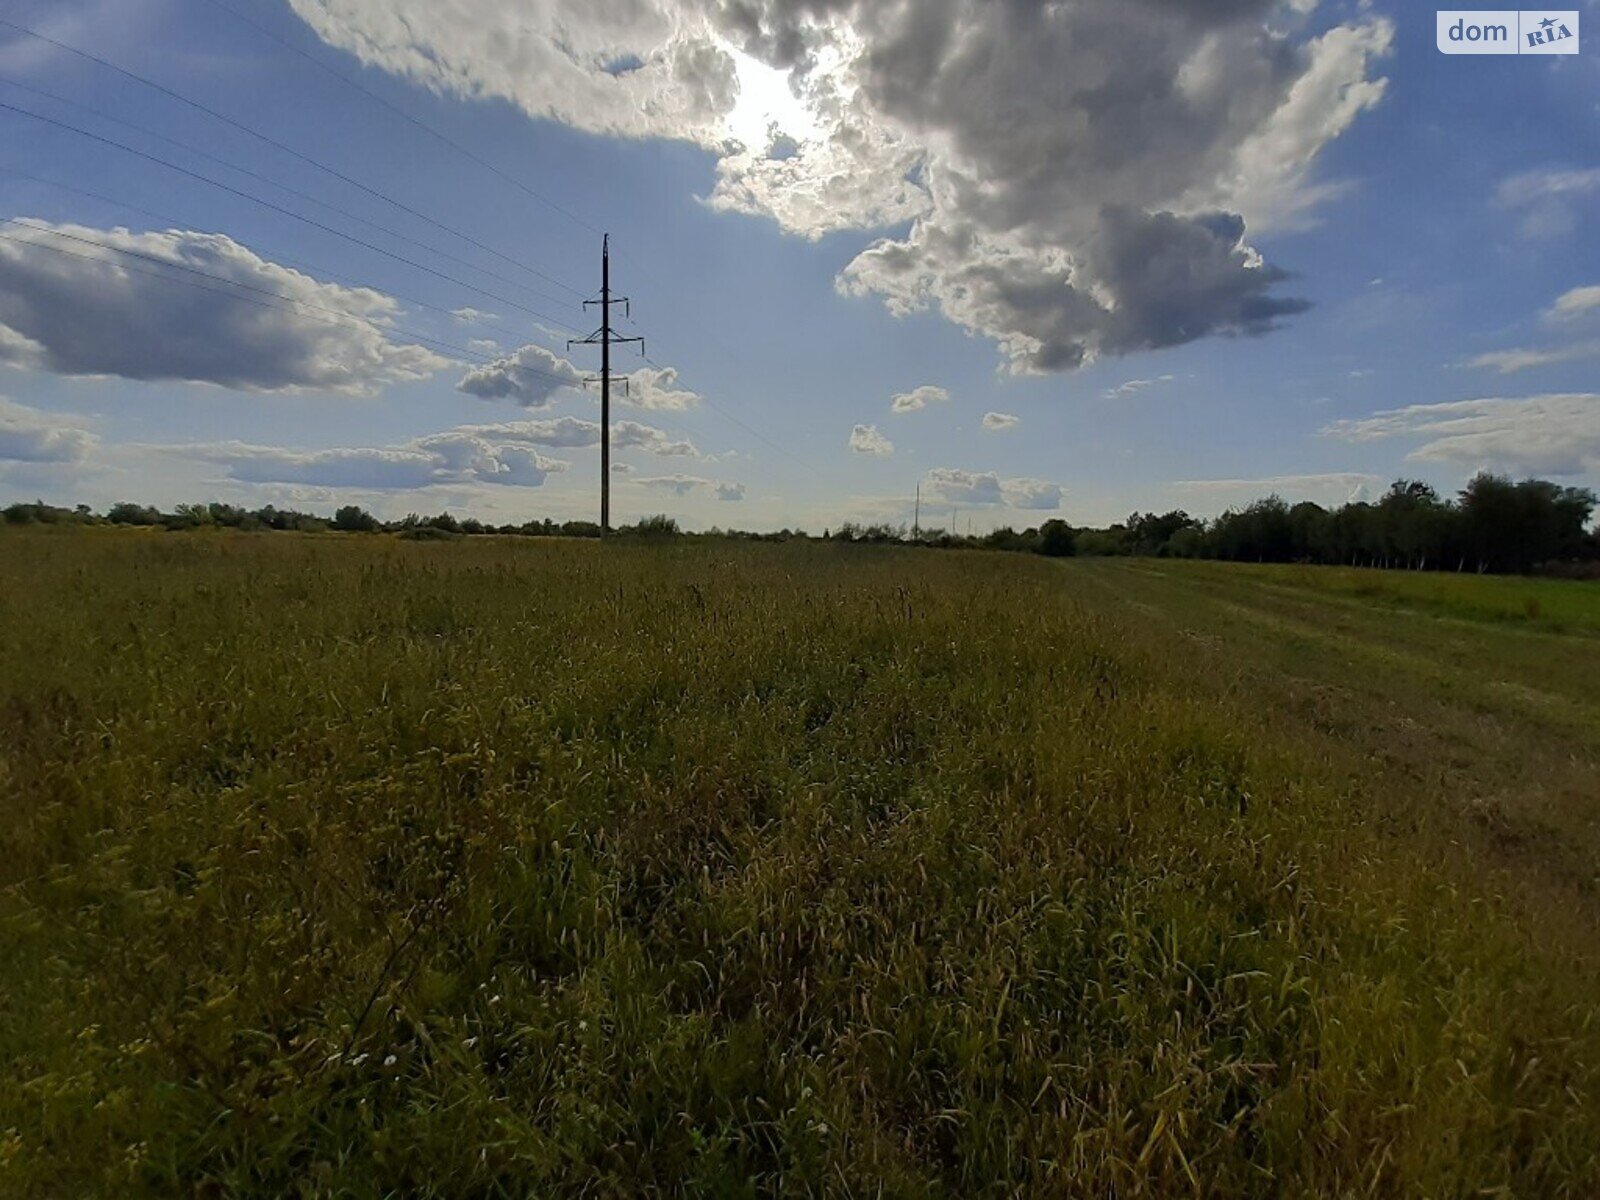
x=1036, y=260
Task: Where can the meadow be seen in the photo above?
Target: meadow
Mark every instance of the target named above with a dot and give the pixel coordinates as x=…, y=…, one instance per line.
x=1557, y=605
x=342, y=865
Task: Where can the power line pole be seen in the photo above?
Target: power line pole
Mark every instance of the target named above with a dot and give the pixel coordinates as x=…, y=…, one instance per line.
x=604, y=337
x=916, y=521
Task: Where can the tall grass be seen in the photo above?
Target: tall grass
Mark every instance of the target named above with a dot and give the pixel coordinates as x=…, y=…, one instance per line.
x=357, y=867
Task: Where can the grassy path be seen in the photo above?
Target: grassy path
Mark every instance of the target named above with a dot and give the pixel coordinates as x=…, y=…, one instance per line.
x=1490, y=731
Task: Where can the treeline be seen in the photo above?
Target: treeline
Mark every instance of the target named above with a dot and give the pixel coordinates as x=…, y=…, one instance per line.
x=1492, y=525
x=349, y=519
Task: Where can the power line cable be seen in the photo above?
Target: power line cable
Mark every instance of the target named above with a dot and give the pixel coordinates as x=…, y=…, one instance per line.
x=760, y=437
x=278, y=208
x=336, y=317
x=280, y=146
x=157, y=260
x=341, y=317
x=283, y=187
x=276, y=256
x=728, y=415
x=401, y=113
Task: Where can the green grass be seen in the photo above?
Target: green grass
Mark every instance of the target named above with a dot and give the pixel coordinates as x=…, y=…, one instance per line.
x=1561, y=605
x=358, y=867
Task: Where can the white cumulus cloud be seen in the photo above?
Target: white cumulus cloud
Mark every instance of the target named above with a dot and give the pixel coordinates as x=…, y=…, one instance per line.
x=1548, y=198
x=31, y=436
x=1574, y=303
x=657, y=388
x=1509, y=361
x=682, y=485
x=960, y=486
x=865, y=439
x=508, y=453
x=1328, y=487
x=1031, y=493
x=1077, y=177
x=531, y=376
x=1134, y=385
x=631, y=433
x=442, y=458
x=72, y=305
x=998, y=422
x=573, y=432
x=918, y=398
x=1557, y=434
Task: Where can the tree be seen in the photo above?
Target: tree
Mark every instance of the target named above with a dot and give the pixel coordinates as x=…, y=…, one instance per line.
x=1057, y=539
x=1493, y=521
x=1507, y=526
x=354, y=519
x=1188, y=542
x=128, y=513
x=1309, y=531
x=1408, y=515
x=1007, y=538
x=1261, y=533
x=1150, y=534
x=1553, y=520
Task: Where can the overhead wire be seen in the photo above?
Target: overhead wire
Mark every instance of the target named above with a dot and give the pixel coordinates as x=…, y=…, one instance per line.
x=715, y=407
x=277, y=145
x=759, y=436
x=344, y=178
x=278, y=208
x=283, y=187
x=484, y=163
x=277, y=256
x=339, y=317
x=404, y=115
x=335, y=317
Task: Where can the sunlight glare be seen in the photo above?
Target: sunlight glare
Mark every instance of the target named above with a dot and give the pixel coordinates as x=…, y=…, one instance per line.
x=765, y=101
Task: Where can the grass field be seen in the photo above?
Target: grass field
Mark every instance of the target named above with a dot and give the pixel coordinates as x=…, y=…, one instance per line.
x=1557, y=605
x=350, y=866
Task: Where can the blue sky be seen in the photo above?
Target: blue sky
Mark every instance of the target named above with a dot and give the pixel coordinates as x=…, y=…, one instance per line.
x=1301, y=252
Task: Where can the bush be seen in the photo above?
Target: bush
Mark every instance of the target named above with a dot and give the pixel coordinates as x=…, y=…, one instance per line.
x=427, y=533
x=128, y=513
